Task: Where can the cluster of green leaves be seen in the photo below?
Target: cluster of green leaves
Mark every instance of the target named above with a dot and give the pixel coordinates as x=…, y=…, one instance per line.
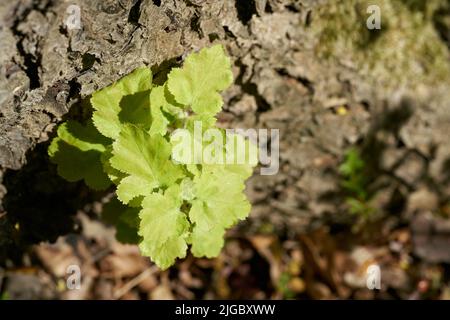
x=163, y=205
x=355, y=183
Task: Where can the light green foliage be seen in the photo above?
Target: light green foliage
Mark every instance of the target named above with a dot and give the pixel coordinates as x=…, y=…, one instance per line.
x=77, y=150
x=124, y=218
x=126, y=101
x=212, y=211
x=355, y=183
x=163, y=205
x=146, y=159
x=159, y=103
x=164, y=227
x=196, y=85
x=353, y=171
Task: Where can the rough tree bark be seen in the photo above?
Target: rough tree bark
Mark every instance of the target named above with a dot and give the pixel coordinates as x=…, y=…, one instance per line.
x=309, y=68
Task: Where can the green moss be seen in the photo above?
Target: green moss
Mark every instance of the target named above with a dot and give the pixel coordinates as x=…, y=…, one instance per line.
x=406, y=51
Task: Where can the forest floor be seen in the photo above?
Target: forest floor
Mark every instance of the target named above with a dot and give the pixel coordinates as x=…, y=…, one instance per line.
x=324, y=264
x=364, y=120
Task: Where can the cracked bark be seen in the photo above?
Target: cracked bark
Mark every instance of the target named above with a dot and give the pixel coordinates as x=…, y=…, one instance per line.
x=48, y=72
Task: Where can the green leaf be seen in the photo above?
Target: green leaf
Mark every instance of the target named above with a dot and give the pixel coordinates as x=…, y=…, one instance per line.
x=125, y=101
x=207, y=121
x=206, y=240
x=127, y=228
x=157, y=103
x=146, y=158
x=241, y=156
x=164, y=228
x=187, y=189
x=196, y=85
x=353, y=163
x=131, y=187
x=172, y=107
x=135, y=109
x=124, y=218
x=218, y=204
x=113, y=174
x=238, y=156
x=77, y=152
x=84, y=138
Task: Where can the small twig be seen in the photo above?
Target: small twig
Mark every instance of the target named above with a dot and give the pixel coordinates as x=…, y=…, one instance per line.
x=100, y=255
x=134, y=282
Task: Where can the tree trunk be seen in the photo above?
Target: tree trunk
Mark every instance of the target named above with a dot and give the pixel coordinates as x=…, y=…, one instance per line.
x=309, y=68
